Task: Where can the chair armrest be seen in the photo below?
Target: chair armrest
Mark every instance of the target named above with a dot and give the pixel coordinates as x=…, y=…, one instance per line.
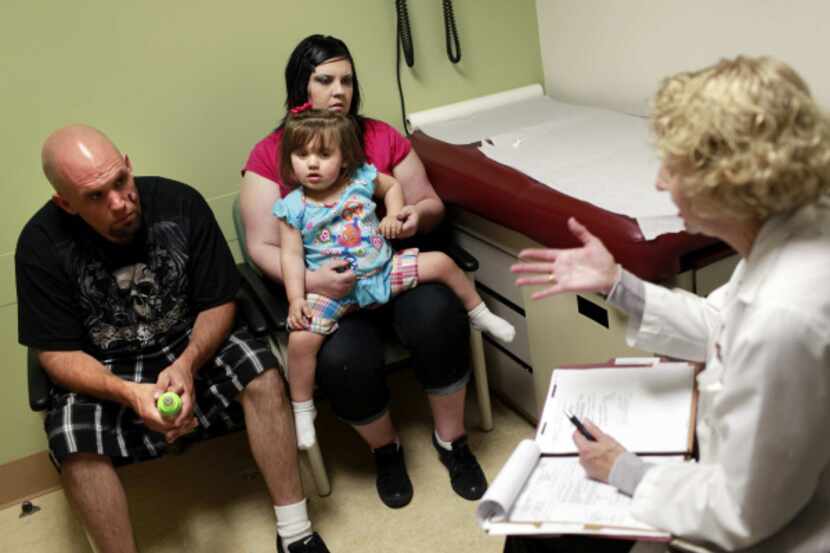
x=39, y=383
x=250, y=313
x=270, y=299
x=441, y=239
x=462, y=257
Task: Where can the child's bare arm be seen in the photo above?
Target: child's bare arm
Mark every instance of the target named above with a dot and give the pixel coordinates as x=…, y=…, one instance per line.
x=293, y=261
x=293, y=273
x=390, y=190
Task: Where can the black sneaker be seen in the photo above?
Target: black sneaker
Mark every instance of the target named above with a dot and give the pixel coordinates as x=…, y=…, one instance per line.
x=394, y=486
x=466, y=476
x=309, y=544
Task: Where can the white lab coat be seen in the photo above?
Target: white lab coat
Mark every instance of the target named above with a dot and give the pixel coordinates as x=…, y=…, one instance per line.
x=763, y=480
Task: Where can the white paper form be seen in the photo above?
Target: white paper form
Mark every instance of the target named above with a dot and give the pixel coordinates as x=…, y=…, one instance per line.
x=552, y=495
x=560, y=496
x=558, y=491
x=646, y=409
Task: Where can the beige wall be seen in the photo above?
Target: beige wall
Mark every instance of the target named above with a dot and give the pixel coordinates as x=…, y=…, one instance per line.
x=614, y=52
x=186, y=88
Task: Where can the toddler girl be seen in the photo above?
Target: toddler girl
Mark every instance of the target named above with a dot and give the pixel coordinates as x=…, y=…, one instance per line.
x=331, y=215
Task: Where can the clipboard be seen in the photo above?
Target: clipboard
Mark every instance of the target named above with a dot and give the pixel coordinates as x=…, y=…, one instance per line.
x=622, y=399
x=516, y=501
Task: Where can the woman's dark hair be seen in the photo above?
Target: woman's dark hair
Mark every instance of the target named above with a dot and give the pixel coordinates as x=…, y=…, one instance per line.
x=308, y=54
x=326, y=130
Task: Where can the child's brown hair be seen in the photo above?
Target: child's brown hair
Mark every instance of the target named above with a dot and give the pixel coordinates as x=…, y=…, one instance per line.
x=326, y=129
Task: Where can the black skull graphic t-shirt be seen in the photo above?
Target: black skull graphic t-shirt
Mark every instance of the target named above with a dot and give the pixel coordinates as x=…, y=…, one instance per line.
x=78, y=291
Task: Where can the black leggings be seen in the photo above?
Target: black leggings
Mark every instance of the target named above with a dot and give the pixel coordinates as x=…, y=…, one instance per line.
x=565, y=544
x=429, y=320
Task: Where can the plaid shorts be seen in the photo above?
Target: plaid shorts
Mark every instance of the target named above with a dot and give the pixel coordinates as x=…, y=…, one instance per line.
x=326, y=311
x=78, y=423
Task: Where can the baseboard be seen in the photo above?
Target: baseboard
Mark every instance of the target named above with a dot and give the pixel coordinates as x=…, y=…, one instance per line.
x=26, y=478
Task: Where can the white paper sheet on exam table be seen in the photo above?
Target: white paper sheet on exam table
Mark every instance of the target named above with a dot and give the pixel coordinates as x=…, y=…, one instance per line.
x=479, y=118
x=599, y=156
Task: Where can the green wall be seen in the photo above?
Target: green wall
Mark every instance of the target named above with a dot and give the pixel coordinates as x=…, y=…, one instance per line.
x=186, y=88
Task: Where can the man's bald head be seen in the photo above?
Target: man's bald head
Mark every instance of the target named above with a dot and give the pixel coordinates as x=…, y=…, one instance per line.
x=73, y=151
x=92, y=180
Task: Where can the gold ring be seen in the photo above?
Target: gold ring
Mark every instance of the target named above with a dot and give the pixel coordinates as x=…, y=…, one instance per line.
x=552, y=277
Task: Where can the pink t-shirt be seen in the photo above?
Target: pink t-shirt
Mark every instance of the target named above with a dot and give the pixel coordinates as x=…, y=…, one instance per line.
x=385, y=147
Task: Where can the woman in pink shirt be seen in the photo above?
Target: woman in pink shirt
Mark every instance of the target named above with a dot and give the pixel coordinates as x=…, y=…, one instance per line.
x=428, y=319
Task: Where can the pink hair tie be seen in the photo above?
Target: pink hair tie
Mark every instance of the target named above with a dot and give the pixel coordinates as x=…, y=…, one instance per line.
x=301, y=108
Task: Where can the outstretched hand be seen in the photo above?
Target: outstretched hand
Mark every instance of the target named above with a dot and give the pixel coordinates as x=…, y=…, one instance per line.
x=589, y=268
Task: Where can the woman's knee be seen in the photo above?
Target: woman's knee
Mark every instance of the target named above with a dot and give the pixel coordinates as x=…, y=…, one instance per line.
x=432, y=322
x=356, y=345
x=357, y=393
x=431, y=313
x=350, y=371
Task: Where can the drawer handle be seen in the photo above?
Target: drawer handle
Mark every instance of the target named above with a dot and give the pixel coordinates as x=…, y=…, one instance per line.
x=593, y=311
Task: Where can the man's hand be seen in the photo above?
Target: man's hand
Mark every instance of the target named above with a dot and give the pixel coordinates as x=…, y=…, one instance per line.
x=597, y=458
x=390, y=227
x=178, y=378
x=590, y=268
x=142, y=400
x=409, y=217
x=334, y=279
x=299, y=314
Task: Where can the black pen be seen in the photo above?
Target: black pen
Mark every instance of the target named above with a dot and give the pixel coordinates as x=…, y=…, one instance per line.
x=580, y=427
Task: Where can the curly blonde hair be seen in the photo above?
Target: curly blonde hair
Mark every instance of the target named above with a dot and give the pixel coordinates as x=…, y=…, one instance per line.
x=744, y=137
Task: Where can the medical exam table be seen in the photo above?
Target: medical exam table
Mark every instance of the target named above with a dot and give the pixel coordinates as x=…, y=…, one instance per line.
x=496, y=211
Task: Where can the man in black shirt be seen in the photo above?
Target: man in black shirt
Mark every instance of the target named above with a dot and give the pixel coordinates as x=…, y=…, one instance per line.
x=126, y=290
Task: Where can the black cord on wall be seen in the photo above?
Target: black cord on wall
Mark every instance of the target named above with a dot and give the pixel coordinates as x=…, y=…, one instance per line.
x=403, y=41
x=405, y=32
x=451, y=33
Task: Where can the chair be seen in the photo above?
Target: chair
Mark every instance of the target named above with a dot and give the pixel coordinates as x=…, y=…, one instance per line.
x=275, y=305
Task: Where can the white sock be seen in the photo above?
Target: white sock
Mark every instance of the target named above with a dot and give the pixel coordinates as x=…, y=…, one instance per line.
x=304, y=414
x=292, y=523
x=483, y=319
x=442, y=443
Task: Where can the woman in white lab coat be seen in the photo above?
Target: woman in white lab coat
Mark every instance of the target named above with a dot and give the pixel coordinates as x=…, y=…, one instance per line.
x=746, y=158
